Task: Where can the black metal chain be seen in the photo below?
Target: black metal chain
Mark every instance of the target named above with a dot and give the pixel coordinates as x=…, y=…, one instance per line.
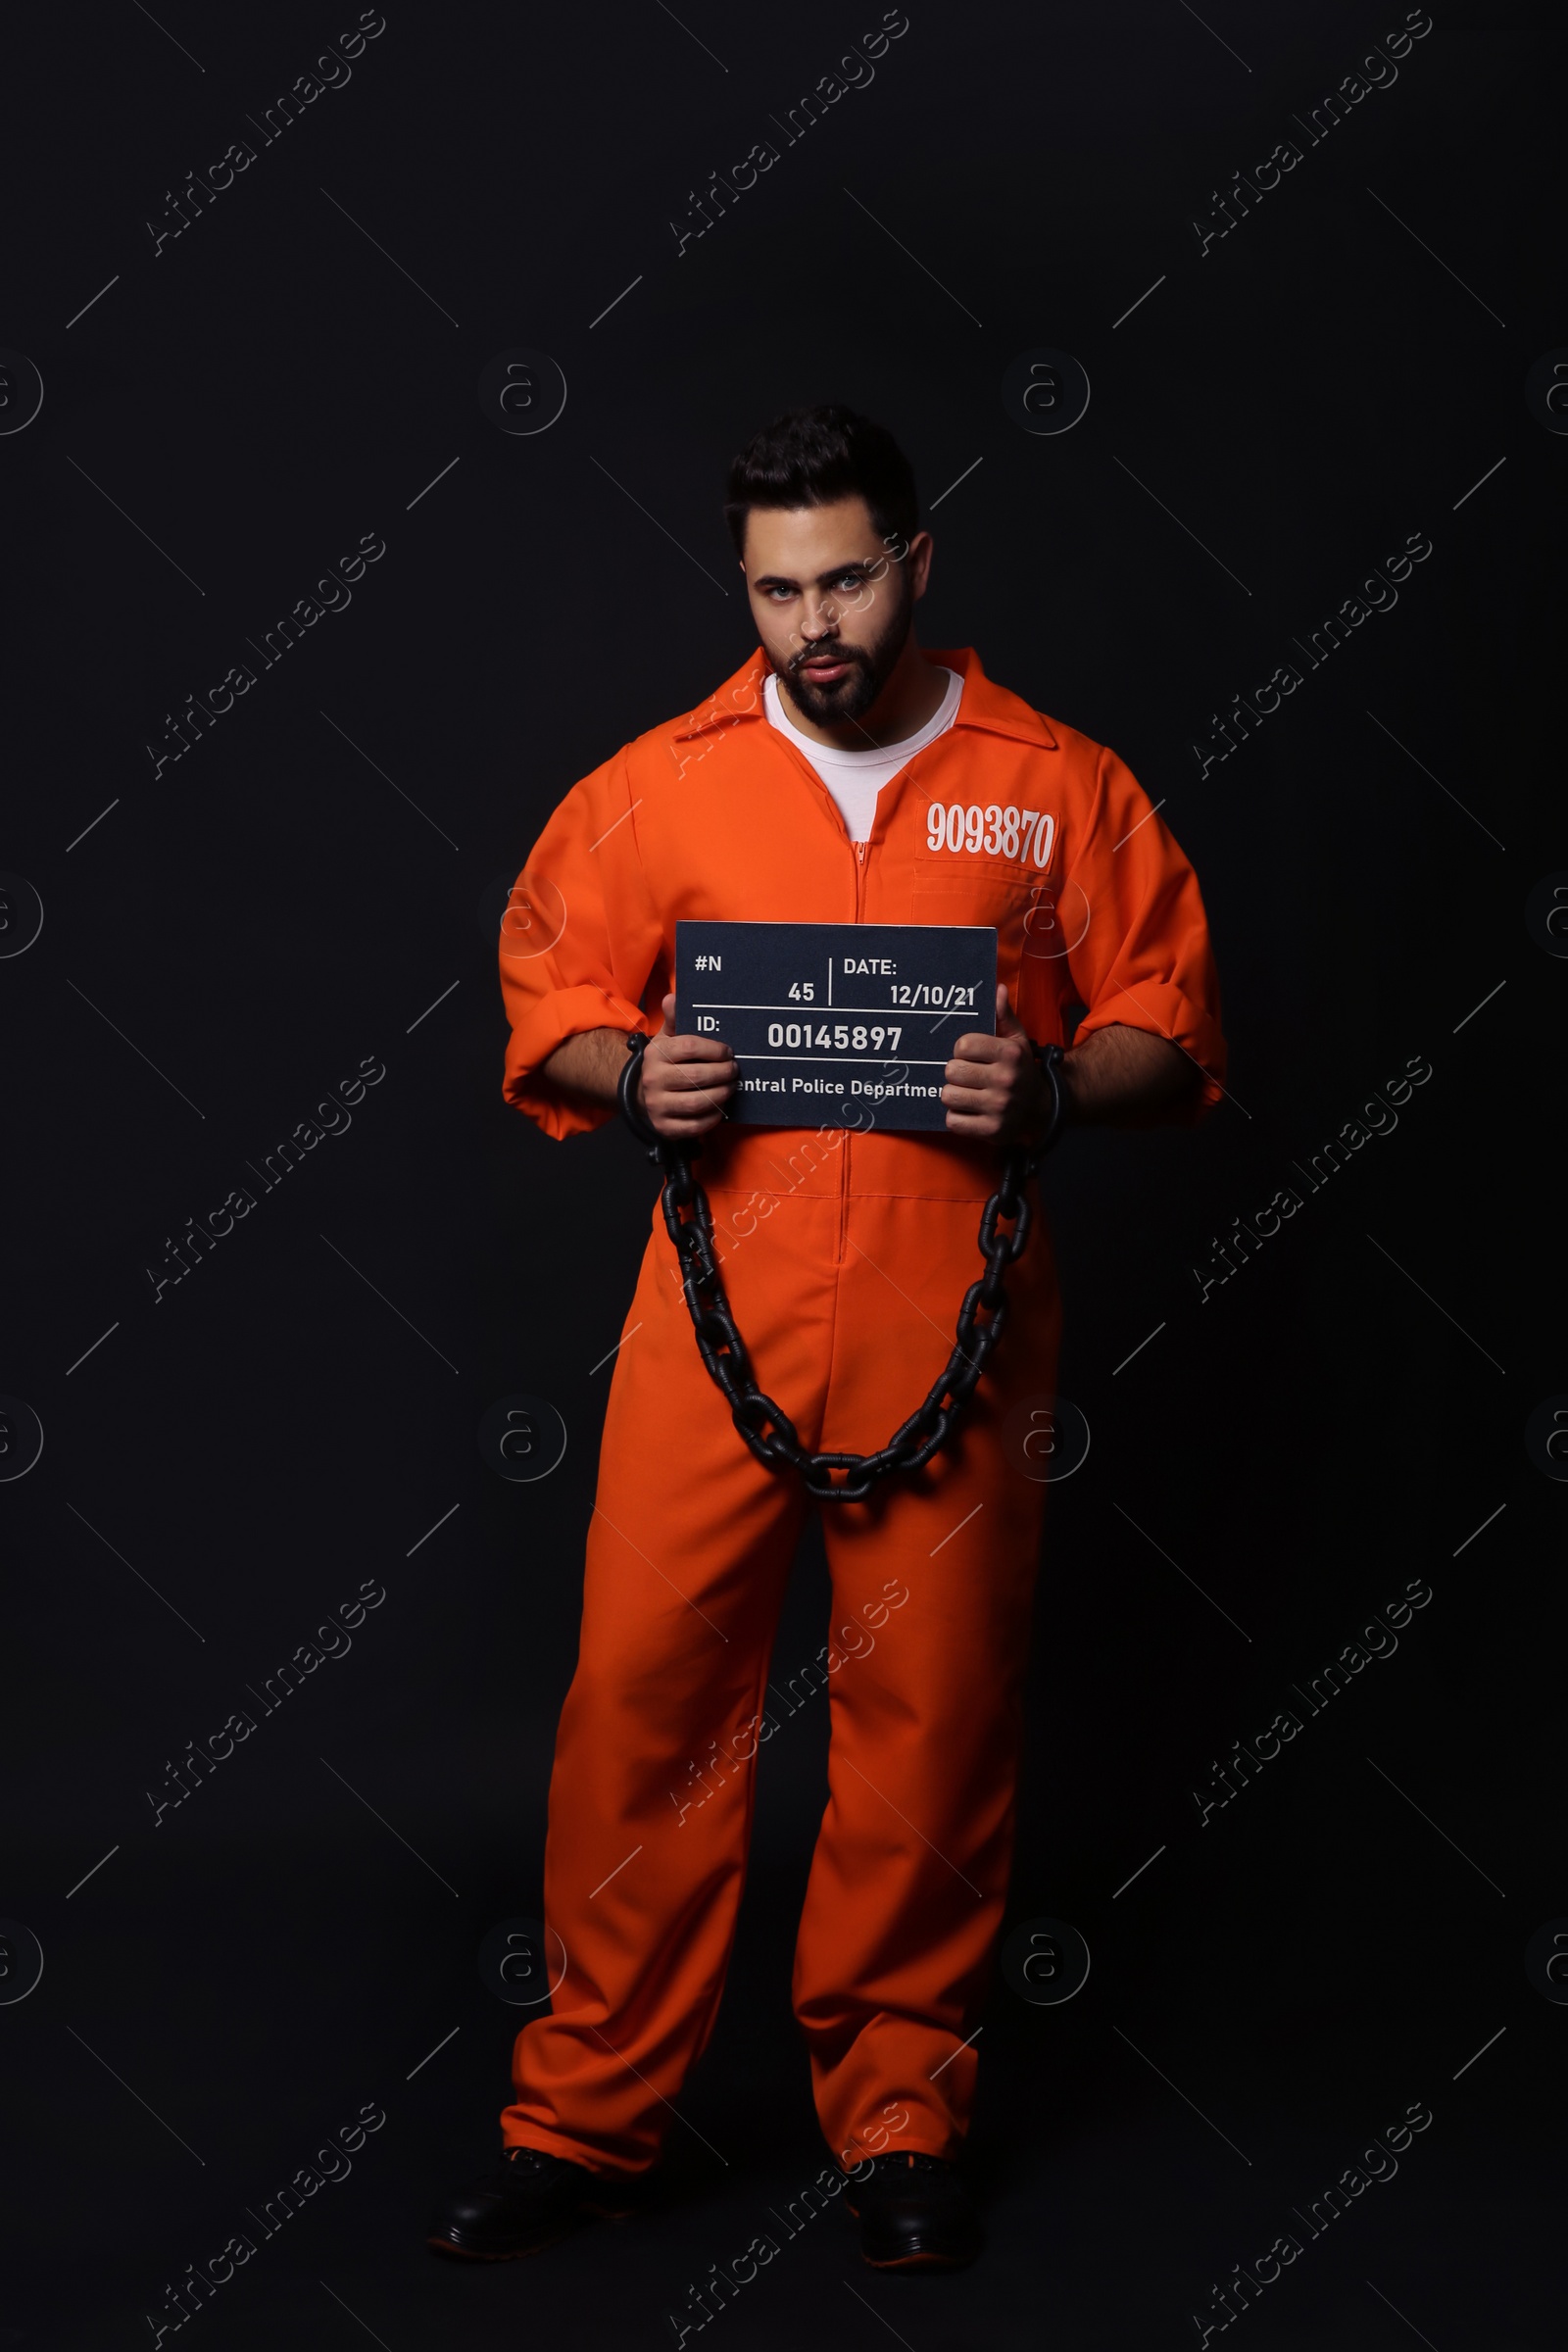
x=766, y=1427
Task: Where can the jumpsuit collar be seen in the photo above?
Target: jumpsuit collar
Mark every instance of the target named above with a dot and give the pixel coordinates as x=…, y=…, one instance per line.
x=981, y=704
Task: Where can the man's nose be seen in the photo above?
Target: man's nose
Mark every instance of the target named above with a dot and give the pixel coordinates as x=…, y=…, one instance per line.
x=821, y=618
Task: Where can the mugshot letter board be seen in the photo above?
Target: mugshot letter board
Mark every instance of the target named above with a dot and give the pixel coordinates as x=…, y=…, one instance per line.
x=830, y=1022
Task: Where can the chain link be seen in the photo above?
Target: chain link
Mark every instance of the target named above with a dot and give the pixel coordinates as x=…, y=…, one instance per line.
x=764, y=1425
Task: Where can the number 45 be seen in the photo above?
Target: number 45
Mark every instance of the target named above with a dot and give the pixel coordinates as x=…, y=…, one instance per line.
x=802, y=992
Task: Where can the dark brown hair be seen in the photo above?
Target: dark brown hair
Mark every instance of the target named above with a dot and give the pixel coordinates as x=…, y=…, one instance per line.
x=811, y=457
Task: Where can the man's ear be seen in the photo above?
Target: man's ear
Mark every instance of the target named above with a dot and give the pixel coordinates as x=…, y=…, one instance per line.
x=921, y=549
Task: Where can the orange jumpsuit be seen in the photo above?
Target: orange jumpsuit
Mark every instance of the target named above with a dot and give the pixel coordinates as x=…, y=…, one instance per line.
x=844, y=1254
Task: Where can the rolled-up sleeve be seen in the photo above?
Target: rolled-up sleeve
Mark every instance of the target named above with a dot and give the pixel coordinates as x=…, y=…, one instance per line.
x=577, y=944
x=1145, y=957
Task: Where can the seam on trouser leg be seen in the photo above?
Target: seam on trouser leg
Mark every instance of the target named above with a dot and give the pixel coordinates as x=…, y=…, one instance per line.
x=758, y=1696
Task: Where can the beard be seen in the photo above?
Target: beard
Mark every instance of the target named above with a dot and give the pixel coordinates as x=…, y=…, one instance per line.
x=850, y=697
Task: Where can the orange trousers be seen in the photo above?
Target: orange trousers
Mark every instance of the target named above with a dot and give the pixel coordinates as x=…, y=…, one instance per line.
x=846, y=1303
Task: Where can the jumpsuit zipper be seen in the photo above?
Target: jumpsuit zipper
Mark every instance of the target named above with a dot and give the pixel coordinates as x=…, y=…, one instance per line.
x=860, y=849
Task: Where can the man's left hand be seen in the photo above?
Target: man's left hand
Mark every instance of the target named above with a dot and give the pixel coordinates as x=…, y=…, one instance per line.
x=993, y=1087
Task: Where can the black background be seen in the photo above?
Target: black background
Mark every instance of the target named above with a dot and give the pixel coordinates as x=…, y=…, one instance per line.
x=231, y=939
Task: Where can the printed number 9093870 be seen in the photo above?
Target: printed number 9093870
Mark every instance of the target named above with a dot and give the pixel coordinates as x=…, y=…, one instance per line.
x=991, y=830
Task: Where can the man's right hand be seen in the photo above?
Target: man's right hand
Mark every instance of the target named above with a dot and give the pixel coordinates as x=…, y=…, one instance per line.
x=685, y=1082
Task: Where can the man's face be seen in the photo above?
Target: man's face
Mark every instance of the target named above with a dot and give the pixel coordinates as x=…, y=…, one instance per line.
x=832, y=606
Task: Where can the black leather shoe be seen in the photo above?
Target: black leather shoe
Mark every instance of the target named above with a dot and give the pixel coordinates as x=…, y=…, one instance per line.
x=529, y=2201
x=914, y=2215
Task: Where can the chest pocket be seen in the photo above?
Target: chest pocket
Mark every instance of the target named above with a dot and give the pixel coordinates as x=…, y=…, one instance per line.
x=972, y=878
x=984, y=896
x=981, y=863
x=963, y=840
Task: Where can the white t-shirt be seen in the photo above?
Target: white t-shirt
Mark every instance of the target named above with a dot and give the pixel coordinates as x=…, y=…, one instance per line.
x=854, y=778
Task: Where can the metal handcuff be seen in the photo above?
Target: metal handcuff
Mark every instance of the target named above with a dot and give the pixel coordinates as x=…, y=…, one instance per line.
x=766, y=1427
